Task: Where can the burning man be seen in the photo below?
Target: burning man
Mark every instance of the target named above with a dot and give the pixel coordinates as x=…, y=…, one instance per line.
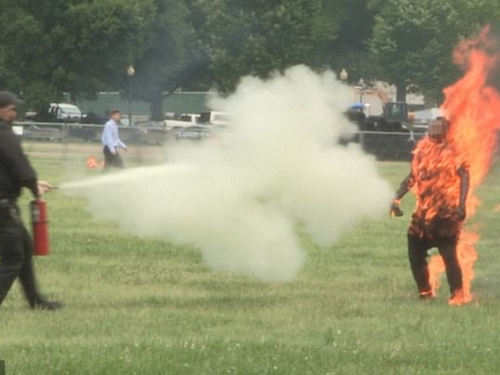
x=440, y=180
x=15, y=242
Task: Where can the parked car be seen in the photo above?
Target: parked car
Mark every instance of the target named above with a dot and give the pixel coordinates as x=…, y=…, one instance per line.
x=56, y=112
x=189, y=117
x=220, y=119
x=93, y=118
x=183, y=121
x=65, y=112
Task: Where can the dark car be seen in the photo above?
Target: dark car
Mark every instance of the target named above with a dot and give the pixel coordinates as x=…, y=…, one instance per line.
x=93, y=118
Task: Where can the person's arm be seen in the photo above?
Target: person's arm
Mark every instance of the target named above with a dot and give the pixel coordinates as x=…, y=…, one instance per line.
x=121, y=144
x=44, y=187
x=463, y=173
x=118, y=142
x=107, y=137
x=404, y=187
x=18, y=165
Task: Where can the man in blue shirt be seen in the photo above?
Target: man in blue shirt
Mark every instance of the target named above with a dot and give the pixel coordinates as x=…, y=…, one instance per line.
x=111, y=142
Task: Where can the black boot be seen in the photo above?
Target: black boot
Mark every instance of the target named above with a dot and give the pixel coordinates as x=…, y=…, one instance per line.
x=42, y=304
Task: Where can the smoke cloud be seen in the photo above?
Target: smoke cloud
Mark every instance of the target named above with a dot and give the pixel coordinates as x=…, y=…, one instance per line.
x=239, y=197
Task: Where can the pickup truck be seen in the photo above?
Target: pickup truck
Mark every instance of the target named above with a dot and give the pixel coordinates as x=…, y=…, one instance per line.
x=185, y=120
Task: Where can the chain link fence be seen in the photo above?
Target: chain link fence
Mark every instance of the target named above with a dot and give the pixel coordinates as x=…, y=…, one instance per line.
x=76, y=143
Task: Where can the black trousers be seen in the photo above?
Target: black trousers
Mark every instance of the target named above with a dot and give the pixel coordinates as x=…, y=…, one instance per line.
x=417, y=251
x=16, y=254
x=111, y=160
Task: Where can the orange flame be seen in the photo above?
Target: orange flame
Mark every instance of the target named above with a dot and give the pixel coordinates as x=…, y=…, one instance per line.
x=93, y=163
x=473, y=108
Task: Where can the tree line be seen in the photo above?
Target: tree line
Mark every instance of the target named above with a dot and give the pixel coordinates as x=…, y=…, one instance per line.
x=52, y=47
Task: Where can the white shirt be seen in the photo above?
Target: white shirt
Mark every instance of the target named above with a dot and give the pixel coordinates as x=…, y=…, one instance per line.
x=110, y=136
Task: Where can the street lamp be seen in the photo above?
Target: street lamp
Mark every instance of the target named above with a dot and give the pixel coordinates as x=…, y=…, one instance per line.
x=130, y=73
x=362, y=87
x=343, y=75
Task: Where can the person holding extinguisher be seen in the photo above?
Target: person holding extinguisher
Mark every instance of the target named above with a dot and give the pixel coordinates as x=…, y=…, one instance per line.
x=16, y=247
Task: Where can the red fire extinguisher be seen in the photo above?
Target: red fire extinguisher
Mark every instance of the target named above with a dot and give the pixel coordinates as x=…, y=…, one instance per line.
x=40, y=224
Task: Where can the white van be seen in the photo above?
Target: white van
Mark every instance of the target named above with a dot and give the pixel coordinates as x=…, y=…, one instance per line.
x=218, y=119
x=64, y=111
x=185, y=120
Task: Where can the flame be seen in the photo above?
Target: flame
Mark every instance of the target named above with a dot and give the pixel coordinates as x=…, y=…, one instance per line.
x=93, y=163
x=473, y=108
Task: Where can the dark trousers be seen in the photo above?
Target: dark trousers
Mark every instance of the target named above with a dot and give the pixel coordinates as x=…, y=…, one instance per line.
x=16, y=252
x=417, y=251
x=111, y=160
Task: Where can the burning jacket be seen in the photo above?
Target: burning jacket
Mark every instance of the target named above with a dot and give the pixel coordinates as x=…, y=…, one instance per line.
x=435, y=179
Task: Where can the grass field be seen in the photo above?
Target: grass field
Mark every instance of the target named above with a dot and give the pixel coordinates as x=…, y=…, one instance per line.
x=137, y=306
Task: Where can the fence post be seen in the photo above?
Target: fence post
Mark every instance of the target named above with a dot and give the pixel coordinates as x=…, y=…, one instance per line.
x=65, y=142
x=362, y=139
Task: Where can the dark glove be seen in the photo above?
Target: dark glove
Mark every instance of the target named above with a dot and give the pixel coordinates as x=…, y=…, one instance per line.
x=395, y=210
x=461, y=213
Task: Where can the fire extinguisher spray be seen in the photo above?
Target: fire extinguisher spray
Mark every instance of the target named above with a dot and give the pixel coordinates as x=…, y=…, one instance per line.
x=40, y=224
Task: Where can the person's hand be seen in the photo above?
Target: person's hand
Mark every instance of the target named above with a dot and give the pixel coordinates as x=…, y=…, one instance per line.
x=395, y=210
x=461, y=213
x=44, y=187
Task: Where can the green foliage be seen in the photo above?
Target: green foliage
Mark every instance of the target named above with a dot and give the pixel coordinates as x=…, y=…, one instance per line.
x=99, y=40
x=48, y=48
x=354, y=21
x=78, y=46
x=258, y=37
x=412, y=42
x=172, y=53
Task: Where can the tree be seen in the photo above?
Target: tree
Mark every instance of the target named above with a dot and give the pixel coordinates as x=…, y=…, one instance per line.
x=100, y=39
x=172, y=58
x=257, y=37
x=354, y=21
x=76, y=46
x=413, y=41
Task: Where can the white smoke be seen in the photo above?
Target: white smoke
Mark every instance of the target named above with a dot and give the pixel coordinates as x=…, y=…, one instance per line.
x=239, y=197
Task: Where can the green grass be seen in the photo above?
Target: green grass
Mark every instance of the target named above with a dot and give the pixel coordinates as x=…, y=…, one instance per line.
x=136, y=306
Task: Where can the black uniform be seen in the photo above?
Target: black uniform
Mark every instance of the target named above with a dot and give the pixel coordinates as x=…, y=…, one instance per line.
x=15, y=241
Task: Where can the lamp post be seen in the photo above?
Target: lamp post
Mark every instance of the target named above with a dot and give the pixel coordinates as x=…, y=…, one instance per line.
x=343, y=75
x=130, y=73
x=362, y=87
